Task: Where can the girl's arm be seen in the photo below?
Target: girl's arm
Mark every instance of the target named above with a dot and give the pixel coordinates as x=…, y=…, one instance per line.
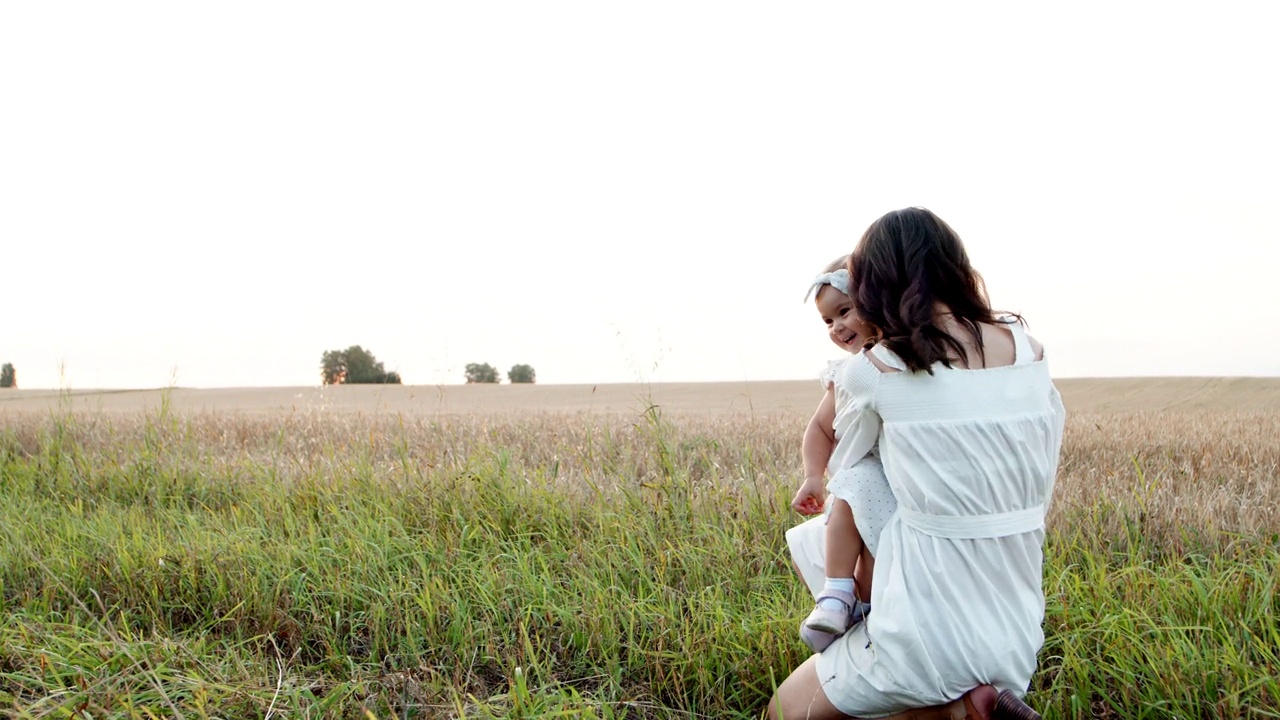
x=815, y=452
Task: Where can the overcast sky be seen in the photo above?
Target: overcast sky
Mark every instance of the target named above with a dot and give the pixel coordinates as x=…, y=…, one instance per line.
x=213, y=194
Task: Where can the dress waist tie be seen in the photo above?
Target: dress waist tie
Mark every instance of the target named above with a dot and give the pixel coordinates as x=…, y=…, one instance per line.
x=993, y=525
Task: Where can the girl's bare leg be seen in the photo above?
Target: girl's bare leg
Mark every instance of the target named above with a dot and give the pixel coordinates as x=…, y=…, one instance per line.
x=862, y=575
x=844, y=542
x=837, y=605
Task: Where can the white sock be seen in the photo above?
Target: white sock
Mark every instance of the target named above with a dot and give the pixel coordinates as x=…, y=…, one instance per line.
x=835, y=584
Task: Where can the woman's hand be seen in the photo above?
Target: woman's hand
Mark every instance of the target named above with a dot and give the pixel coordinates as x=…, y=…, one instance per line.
x=809, y=498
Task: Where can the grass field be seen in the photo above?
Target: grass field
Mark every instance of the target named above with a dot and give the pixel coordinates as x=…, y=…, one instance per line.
x=490, y=558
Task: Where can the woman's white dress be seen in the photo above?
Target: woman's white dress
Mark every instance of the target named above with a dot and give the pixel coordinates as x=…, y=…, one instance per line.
x=971, y=457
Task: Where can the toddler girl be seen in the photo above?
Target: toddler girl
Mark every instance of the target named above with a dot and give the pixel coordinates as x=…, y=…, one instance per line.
x=841, y=438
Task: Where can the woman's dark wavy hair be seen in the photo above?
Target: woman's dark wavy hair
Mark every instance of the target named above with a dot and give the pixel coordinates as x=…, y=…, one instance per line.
x=907, y=262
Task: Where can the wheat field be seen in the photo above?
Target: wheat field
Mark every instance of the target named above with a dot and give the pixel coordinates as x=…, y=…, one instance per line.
x=573, y=551
x=751, y=398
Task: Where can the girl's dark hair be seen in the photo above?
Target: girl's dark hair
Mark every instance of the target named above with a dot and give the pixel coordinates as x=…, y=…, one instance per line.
x=906, y=263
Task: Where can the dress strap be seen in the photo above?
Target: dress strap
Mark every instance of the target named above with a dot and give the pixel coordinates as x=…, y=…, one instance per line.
x=1022, y=352
x=888, y=357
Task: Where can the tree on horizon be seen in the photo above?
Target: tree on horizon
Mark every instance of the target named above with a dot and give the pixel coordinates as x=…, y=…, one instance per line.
x=354, y=366
x=482, y=373
x=522, y=374
x=8, y=376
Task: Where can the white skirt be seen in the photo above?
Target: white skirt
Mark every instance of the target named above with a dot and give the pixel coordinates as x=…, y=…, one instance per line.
x=808, y=545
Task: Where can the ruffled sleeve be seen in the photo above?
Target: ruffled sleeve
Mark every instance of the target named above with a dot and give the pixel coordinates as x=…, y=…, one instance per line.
x=831, y=372
x=857, y=424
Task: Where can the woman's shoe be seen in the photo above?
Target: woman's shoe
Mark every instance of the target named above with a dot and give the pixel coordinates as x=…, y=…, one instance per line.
x=984, y=703
x=1011, y=707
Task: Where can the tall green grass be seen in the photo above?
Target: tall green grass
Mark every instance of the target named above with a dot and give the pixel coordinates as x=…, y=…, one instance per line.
x=535, y=567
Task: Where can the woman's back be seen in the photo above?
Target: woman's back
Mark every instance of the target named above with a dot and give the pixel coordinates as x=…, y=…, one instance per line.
x=971, y=456
x=970, y=427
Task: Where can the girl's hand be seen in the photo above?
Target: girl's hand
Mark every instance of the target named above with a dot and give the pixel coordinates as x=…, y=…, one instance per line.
x=808, y=499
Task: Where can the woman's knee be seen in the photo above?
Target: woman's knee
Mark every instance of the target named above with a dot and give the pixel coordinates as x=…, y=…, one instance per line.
x=800, y=696
x=781, y=709
x=797, y=708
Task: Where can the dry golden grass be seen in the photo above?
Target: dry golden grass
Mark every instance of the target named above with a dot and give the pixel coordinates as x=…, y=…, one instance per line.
x=1180, y=474
x=1205, y=461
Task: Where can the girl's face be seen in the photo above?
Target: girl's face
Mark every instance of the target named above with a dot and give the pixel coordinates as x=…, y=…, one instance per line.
x=844, y=327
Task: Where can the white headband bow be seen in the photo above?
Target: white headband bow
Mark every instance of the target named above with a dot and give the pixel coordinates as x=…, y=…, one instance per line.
x=838, y=280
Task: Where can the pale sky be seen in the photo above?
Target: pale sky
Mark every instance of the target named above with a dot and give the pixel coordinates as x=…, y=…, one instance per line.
x=213, y=194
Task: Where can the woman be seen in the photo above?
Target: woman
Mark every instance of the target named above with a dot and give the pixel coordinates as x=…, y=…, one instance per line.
x=971, y=428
